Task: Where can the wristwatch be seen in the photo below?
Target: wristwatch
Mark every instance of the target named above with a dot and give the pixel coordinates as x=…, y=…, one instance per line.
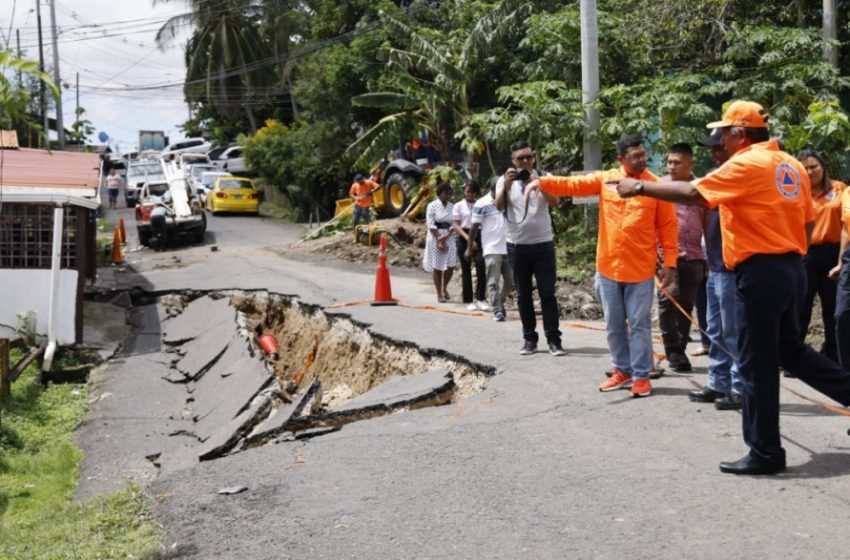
x=639, y=187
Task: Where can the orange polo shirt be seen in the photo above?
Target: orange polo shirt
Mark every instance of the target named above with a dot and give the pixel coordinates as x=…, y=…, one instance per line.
x=364, y=188
x=629, y=229
x=845, y=209
x=765, y=203
x=828, y=215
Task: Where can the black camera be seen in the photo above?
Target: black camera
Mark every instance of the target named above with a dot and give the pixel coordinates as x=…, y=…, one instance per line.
x=523, y=175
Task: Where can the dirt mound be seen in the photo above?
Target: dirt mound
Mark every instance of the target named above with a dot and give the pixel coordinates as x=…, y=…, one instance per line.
x=406, y=241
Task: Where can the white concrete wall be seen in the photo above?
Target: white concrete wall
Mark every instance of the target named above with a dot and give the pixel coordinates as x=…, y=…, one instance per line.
x=24, y=290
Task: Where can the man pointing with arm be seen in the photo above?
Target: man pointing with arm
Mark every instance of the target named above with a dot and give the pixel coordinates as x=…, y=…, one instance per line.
x=626, y=257
x=766, y=218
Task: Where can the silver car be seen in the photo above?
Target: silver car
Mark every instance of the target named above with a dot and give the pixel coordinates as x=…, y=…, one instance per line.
x=139, y=173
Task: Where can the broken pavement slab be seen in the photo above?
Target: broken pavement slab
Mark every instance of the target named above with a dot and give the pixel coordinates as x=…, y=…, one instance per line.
x=202, y=315
x=280, y=420
x=227, y=388
x=229, y=435
x=432, y=388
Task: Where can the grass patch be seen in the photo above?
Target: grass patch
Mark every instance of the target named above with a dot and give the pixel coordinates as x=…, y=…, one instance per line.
x=39, y=467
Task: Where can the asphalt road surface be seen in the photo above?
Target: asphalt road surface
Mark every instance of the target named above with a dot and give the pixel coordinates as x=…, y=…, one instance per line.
x=538, y=465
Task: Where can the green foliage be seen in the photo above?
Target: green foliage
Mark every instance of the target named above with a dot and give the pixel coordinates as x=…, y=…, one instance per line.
x=38, y=472
x=15, y=98
x=298, y=160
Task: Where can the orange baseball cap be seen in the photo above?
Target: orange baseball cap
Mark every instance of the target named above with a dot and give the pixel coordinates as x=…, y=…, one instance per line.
x=742, y=113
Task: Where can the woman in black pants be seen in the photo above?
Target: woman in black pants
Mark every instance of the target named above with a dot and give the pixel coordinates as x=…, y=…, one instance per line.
x=823, y=251
x=462, y=216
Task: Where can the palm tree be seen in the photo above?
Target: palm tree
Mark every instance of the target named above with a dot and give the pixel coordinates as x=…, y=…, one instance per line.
x=226, y=57
x=431, y=85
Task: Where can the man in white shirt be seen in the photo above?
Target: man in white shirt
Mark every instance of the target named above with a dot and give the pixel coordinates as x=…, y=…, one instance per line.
x=531, y=240
x=490, y=222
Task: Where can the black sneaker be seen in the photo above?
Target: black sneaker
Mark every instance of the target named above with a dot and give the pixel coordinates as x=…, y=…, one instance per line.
x=528, y=347
x=556, y=350
x=679, y=362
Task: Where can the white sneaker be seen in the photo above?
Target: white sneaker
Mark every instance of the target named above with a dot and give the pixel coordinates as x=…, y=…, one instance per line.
x=482, y=305
x=472, y=307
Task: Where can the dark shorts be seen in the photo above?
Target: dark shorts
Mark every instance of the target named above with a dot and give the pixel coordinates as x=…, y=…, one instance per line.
x=112, y=192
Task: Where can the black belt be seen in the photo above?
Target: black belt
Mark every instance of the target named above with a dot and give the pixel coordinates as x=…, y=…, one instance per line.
x=442, y=225
x=768, y=257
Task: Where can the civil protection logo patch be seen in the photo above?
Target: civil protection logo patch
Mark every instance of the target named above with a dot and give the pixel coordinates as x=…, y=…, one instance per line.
x=787, y=181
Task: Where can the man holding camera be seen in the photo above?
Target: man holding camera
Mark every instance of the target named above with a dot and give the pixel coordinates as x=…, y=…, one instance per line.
x=626, y=256
x=531, y=248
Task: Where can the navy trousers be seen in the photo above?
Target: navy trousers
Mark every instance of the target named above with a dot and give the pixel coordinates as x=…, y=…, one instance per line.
x=770, y=289
x=842, y=312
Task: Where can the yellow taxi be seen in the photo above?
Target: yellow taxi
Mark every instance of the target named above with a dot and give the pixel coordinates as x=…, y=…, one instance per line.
x=233, y=194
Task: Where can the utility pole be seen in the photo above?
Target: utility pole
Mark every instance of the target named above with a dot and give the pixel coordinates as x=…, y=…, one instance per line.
x=41, y=92
x=18, y=39
x=590, y=83
x=829, y=31
x=60, y=127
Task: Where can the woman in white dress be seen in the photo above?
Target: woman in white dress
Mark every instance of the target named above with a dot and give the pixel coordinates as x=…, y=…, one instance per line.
x=440, y=256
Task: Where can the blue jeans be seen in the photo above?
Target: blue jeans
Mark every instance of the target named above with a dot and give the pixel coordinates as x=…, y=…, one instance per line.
x=360, y=212
x=723, y=371
x=631, y=347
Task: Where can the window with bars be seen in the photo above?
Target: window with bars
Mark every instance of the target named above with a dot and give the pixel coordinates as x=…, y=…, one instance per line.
x=26, y=236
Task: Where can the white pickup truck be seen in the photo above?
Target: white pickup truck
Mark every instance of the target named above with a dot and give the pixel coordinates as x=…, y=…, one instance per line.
x=169, y=208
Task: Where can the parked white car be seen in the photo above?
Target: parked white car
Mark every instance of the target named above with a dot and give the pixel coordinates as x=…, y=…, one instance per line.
x=232, y=160
x=190, y=145
x=206, y=182
x=139, y=173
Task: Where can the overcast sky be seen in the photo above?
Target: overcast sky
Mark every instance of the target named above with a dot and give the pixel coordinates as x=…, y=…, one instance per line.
x=111, y=44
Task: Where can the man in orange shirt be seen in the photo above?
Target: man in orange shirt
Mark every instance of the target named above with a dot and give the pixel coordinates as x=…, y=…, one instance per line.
x=361, y=192
x=842, y=272
x=626, y=256
x=766, y=218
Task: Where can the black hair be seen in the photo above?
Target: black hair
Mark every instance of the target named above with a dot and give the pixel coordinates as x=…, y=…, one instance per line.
x=473, y=186
x=756, y=135
x=627, y=141
x=519, y=145
x=809, y=153
x=443, y=186
x=682, y=148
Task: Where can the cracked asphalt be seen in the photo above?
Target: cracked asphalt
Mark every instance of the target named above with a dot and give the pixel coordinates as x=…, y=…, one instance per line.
x=538, y=465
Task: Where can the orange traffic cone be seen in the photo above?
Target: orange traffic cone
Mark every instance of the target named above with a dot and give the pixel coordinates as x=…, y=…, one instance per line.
x=268, y=343
x=383, y=291
x=122, y=230
x=117, y=255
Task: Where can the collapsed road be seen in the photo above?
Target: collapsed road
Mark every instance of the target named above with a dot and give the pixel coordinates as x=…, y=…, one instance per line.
x=219, y=394
x=537, y=463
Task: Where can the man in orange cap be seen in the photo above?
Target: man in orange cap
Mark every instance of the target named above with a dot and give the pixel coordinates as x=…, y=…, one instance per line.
x=766, y=218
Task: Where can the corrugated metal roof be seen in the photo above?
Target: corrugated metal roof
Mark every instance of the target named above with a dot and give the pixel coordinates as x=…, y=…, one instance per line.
x=72, y=173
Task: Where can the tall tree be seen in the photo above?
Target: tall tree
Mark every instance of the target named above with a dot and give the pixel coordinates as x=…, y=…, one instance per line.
x=227, y=57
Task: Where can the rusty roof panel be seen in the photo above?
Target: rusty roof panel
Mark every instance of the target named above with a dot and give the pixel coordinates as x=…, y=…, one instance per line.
x=37, y=169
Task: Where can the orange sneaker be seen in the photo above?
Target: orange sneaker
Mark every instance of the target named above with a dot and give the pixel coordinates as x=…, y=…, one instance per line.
x=618, y=380
x=641, y=388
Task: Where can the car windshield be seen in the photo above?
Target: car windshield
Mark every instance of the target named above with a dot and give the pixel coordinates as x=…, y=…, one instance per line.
x=197, y=170
x=146, y=168
x=235, y=184
x=208, y=179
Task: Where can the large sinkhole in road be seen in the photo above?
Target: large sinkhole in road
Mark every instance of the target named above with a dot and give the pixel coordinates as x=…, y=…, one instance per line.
x=329, y=370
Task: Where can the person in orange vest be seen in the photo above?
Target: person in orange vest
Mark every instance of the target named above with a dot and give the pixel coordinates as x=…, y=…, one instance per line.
x=766, y=218
x=841, y=272
x=626, y=256
x=824, y=250
x=361, y=191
